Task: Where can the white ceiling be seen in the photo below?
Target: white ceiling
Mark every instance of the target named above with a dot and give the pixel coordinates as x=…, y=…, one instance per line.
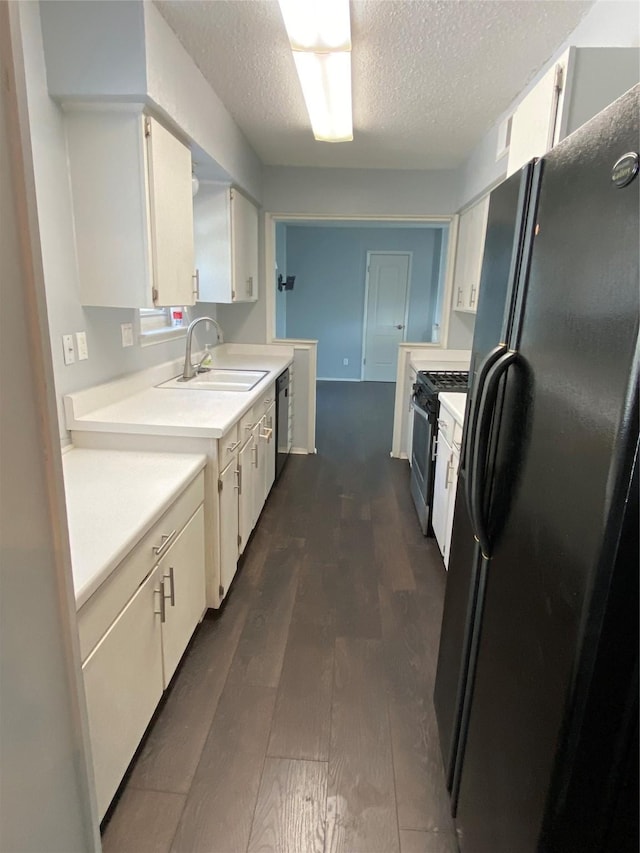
x=430, y=77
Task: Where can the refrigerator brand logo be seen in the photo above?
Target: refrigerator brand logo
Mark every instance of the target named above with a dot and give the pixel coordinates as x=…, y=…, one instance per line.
x=625, y=169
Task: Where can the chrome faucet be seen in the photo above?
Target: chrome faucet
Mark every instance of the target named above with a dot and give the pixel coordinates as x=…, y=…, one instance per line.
x=190, y=370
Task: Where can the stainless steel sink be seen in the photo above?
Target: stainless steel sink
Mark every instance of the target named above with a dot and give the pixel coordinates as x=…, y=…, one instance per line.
x=218, y=379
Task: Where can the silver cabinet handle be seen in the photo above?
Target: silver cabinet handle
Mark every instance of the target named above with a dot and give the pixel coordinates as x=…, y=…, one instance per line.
x=255, y=455
x=249, y=427
x=448, y=482
x=434, y=452
x=172, y=587
x=442, y=424
x=459, y=300
x=457, y=444
x=268, y=432
x=472, y=301
x=196, y=277
x=237, y=485
x=167, y=539
x=232, y=448
x=162, y=613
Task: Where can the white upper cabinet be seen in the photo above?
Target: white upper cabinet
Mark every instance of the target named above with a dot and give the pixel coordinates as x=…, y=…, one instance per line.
x=472, y=228
x=133, y=209
x=226, y=244
x=581, y=83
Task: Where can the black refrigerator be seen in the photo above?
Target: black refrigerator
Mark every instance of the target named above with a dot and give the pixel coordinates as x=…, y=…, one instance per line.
x=536, y=692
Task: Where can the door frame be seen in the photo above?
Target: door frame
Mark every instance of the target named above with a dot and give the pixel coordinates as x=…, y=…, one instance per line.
x=268, y=257
x=365, y=312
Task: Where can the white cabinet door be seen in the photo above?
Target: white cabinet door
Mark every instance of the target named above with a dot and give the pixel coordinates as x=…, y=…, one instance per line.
x=226, y=244
x=171, y=207
x=183, y=579
x=534, y=122
x=269, y=437
x=469, y=252
x=245, y=502
x=441, y=491
x=259, y=480
x=228, y=487
x=460, y=275
x=451, y=503
x=123, y=684
x=131, y=192
x=244, y=240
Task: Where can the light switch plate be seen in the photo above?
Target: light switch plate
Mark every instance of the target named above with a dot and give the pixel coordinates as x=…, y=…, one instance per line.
x=68, y=349
x=126, y=330
x=81, y=343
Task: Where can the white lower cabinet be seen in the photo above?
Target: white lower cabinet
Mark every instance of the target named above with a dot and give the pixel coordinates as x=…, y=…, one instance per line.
x=441, y=492
x=269, y=439
x=445, y=482
x=183, y=590
x=245, y=494
x=228, y=491
x=123, y=684
x=134, y=630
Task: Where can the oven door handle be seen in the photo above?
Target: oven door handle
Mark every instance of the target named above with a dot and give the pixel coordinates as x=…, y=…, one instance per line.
x=416, y=408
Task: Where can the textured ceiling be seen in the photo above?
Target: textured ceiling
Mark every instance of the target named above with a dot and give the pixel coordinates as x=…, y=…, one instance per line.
x=430, y=77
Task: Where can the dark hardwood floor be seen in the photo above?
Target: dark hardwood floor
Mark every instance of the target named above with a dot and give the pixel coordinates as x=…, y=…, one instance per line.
x=301, y=719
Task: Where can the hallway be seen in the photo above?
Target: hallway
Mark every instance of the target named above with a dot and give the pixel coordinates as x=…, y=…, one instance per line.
x=301, y=717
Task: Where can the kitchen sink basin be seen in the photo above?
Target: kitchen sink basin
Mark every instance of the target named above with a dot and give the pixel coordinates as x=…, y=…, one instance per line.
x=218, y=379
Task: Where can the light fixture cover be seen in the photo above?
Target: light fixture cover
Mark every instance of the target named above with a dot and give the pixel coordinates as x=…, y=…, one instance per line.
x=195, y=184
x=326, y=86
x=317, y=25
x=320, y=36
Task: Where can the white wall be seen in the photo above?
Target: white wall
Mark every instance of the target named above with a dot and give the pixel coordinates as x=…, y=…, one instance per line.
x=107, y=358
x=98, y=50
x=45, y=804
x=176, y=85
x=359, y=192
x=609, y=23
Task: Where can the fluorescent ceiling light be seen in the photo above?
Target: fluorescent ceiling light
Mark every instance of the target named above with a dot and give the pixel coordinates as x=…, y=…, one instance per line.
x=326, y=86
x=320, y=36
x=318, y=25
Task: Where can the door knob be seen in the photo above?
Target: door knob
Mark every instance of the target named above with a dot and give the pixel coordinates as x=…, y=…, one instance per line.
x=399, y=326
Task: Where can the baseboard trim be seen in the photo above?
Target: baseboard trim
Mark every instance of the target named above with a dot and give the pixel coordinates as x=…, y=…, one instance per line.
x=335, y=379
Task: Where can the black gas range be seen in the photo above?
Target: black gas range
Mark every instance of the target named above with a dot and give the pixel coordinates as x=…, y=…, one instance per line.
x=430, y=383
x=425, y=406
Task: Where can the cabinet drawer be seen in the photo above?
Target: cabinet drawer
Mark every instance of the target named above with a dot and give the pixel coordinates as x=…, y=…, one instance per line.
x=450, y=429
x=262, y=404
x=227, y=446
x=99, y=612
x=123, y=685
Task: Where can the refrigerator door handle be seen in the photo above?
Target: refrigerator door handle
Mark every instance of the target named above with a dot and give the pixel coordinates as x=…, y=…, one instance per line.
x=481, y=444
x=468, y=440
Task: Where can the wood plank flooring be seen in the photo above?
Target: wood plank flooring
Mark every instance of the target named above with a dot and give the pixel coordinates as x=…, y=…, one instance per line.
x=301, y=718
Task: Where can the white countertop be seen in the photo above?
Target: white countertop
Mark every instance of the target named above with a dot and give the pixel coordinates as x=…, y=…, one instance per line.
x=133, y=405
x=454, y=402
x=113, y=498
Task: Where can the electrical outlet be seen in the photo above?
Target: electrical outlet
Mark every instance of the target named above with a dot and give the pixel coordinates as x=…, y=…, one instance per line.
x=68, y=349
x=345, y=361
x=126, y=330
x=81, y=343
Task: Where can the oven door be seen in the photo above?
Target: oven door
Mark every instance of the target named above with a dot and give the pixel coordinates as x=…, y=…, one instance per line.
x=422, y=463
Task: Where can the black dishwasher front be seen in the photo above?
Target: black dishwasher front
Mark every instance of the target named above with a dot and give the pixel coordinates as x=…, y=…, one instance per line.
x=283, y=445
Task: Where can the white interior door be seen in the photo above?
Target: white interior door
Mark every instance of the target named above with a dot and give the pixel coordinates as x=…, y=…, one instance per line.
x=385, y=318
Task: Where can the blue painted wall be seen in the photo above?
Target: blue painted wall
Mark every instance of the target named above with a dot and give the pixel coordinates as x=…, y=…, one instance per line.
x=327, y=302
